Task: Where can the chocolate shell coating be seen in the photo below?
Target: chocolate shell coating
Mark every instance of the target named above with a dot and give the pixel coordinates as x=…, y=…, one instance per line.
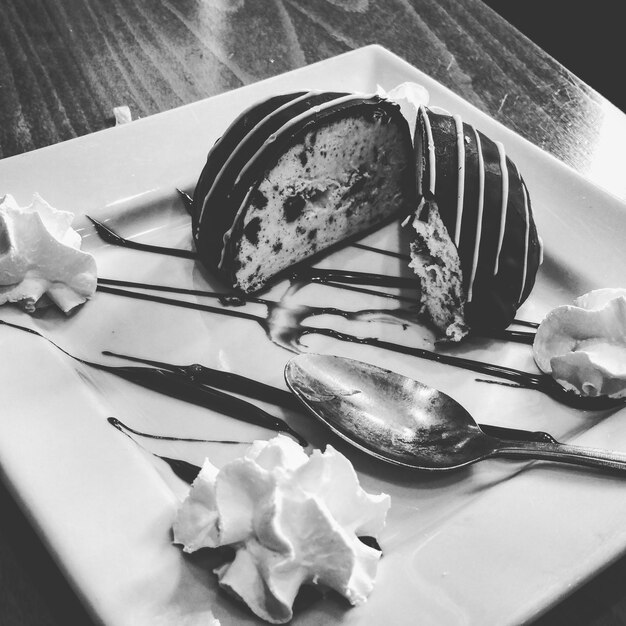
x=331, y=139
x=485, y=206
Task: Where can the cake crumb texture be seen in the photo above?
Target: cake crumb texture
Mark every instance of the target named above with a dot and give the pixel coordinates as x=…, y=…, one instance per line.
x=435, y=261
x=341, y=179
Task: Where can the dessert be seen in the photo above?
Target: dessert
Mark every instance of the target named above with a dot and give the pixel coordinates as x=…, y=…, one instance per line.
x=296, y=174
x=483, y=201
x=292, y=519
x=583, y=345
x=40, y=256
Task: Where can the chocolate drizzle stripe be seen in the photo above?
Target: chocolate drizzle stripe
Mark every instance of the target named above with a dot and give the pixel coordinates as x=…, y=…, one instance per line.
x=183, y=469
x=228, y=234
x=224, y=297
x=430, y=144
x=295, y=122
x=114, y=421
x=311, y=113
x=180, y=386
x=519, y=336
x=371, y=292
x=180, y=303
x=319, y=275
x=504, y=172
x=392, y=253
x=283, y=326
x=526, y=242
x=479, y=214
x=460, y=198
x=243, y=144
x=223, y=147
x=227, y=381
x=526, y=323
x=106, y=234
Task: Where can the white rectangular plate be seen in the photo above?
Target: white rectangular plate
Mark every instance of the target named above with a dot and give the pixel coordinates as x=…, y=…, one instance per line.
x=497, y=543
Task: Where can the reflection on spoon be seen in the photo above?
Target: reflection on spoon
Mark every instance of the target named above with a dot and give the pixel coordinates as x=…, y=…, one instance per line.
x=404, y=422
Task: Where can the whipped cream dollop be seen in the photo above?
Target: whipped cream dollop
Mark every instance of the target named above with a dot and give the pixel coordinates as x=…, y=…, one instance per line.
x=409, y=96
x=291, y=518
x=583, y=345
x=40, y=254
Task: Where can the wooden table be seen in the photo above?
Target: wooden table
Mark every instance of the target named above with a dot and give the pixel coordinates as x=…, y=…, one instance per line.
x=65, y=65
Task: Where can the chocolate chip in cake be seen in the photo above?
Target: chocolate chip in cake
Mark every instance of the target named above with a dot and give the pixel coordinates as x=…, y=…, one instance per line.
x=251, y=230
x=258, y=199
x=293, y=206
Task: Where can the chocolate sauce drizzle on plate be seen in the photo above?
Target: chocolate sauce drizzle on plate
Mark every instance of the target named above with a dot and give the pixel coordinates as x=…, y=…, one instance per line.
x=198, y=384
x=284, y=326
x=106, y=234
x=188, y=471
x=283, y=322
x=183, y=469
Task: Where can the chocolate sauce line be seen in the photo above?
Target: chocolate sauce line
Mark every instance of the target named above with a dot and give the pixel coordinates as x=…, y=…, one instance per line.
x=371, y=292
x=188, y=471
x=346, y=279
x=525, y=379
x=227, y=381
x=519, y=336
x=226, y=298
x=392, y=253
x=332, y=278
x=181, y=303
x=183, y=469
x=319, y=275
x=283, y=326
x=227, y=310
x=539, y=382
x=113, y=238
x=526, y=323
x=542, y=382
x=179, y=385
x=114, y=421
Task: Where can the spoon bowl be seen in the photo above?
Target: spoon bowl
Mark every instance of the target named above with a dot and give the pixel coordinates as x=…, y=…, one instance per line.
x=404, y=422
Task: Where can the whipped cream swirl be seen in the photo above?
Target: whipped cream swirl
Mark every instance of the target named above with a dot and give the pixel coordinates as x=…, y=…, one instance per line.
x=40, y=255
x=291, y=518
x=583, y=345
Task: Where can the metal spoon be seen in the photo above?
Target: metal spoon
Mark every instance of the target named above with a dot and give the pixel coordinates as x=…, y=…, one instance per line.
x=404, y=422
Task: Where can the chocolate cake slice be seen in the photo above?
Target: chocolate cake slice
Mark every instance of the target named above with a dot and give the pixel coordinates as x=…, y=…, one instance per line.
x=484, y=203
x=296, y=174
x=435, y=261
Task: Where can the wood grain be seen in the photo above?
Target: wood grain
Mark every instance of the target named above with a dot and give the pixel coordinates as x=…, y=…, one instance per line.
x=65, y=65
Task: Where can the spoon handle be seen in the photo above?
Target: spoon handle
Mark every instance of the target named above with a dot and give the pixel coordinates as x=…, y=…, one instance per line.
x=564, y=453
x=503, y=432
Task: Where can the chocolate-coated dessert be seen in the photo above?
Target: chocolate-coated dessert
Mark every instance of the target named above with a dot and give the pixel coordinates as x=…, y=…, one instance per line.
x=295, y=175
